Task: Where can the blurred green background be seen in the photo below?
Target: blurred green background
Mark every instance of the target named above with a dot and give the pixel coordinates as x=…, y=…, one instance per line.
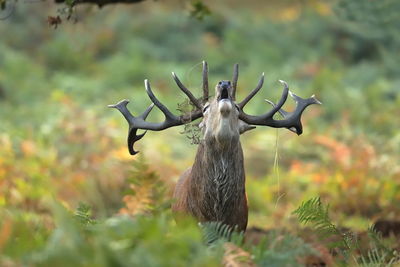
x=61, y=146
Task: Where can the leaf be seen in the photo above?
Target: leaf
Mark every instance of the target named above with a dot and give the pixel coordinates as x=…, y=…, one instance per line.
x=199, y=10
x=314, y=212
x=83, y=214
x=213, y=231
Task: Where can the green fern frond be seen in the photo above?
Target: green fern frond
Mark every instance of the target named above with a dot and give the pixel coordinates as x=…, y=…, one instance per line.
x=213, y=231
x=377, y=241
x=381, y=254
x=379, y=258
x=373, y=258
x=83, y=214
x=314, y=212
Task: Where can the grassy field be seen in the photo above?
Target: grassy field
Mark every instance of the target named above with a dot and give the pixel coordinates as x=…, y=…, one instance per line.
x=70, y=193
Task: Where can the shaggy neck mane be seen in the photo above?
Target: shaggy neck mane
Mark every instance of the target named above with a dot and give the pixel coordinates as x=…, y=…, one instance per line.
x=218, y=183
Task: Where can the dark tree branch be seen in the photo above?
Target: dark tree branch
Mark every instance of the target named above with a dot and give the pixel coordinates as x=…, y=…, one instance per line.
x=99, y=3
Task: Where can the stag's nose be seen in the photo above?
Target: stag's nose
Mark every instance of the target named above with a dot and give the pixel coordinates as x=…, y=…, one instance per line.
x=224, y=84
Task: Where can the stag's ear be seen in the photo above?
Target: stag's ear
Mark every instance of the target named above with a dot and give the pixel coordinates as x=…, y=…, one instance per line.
x=244, y=127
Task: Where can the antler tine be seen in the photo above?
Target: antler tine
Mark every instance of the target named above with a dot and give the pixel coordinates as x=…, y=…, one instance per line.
x=121, y=106
x=189, y=94
x=205, y=82
x=234, y=80
x=252, y=93
x=147, y=111
x=170, y=119
x=276, y=107
x=281, y=102
x=132, y=132
x=168, y=114
x=295, y=117
x=291, y=121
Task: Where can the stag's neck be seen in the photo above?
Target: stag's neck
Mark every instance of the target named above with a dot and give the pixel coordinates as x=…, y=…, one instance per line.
x=218, y=178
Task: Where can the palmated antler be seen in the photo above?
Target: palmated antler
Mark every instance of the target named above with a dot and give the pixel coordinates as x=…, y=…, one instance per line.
x=139, y=122
x=291, y=120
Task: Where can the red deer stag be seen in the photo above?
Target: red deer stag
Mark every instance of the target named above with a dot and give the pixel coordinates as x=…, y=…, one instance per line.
x=213, y=189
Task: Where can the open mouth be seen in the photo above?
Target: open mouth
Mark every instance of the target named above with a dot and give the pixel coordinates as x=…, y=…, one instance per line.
x=224, y=94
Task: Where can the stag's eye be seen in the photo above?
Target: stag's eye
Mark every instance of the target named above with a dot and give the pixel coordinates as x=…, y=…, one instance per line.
x=205, y=108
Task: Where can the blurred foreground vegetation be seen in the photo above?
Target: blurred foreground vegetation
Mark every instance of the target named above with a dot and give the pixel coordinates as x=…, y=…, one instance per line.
x=61, y=147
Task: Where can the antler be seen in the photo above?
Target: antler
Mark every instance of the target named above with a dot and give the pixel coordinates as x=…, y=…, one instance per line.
x=205, y=82
x=291, y=120
x=139, y=122
x=234, y=80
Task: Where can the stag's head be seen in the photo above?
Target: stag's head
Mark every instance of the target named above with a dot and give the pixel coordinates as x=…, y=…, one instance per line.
x=221, y=121
x=223, y=118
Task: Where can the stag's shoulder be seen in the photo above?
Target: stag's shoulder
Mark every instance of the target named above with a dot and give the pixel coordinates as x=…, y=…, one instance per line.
x=182, y=181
